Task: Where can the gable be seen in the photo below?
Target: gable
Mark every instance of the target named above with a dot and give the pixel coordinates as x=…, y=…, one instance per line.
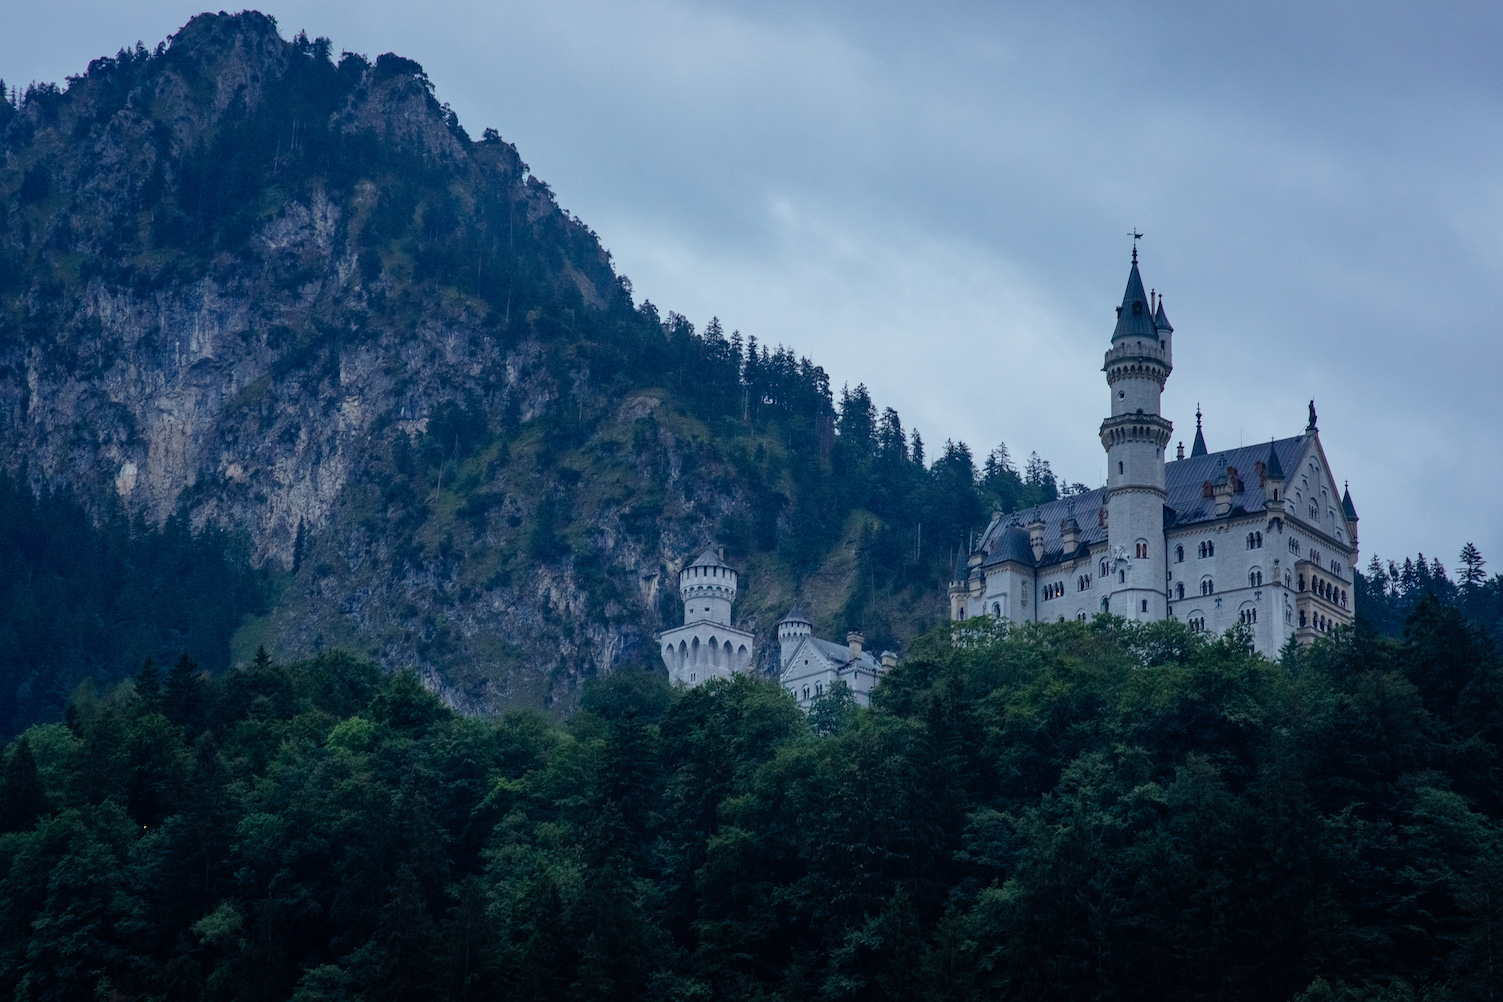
x=1311, y=483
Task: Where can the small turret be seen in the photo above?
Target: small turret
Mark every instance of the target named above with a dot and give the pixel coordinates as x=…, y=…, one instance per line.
x=793, y=628
x=1273, y=481
x=1199, y=447
x=854, y=642
x=1349, y=509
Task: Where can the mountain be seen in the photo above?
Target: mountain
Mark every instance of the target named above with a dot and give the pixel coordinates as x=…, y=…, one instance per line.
x=250, y=285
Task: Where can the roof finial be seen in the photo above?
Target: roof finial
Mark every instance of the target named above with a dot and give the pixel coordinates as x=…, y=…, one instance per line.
x=1197, y=415
x=1199, y=448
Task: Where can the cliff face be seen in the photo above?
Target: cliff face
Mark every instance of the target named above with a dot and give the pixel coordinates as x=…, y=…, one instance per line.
x=296, y=298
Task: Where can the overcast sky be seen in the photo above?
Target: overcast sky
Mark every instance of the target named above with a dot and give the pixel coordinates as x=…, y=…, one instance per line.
x=935, y=200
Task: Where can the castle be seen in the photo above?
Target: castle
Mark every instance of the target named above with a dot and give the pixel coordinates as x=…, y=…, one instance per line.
x=707, y=645
x=1253, y=536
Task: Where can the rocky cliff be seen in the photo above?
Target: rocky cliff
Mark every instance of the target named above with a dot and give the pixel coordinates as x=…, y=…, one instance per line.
x=293, y=296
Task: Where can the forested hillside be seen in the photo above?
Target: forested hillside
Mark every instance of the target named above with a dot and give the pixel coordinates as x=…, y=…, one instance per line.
x=1100, y=810
x=286, y=293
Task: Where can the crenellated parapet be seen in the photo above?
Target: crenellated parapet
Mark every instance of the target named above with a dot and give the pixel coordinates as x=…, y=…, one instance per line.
x=1124, y=428
x=1137, y=359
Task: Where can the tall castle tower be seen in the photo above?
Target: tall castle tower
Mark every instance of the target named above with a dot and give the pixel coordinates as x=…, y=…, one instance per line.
x=707, y=645
x=1135, y=437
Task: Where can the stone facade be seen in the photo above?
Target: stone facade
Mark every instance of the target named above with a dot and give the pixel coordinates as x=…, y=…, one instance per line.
x=811, y=666
x=1214, y=540
x=707, y=645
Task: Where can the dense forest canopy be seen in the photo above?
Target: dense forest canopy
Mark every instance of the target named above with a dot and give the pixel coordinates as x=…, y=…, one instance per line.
x=1104, y=810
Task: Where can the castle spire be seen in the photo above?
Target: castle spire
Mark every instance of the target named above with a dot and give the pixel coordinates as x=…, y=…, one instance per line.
x=1199, y=448
x=1160, y=320
x=1134, y=318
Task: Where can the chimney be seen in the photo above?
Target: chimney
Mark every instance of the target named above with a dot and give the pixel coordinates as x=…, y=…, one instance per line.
x=855, y=639
x=1036, y=538
x=1223, y=488
x=889, y=660
x=720, y=552
x=1069, y=535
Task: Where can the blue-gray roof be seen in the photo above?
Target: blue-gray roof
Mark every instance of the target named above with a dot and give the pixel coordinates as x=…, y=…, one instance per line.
x=1184, y=481
x=841, y=653
x=1134, y=318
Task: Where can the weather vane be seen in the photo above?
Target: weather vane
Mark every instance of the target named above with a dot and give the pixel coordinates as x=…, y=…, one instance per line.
x=1136, y=236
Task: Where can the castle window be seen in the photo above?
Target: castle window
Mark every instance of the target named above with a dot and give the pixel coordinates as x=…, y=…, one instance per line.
x=1254, y=540
x=819, y=688
x=1105, y=607
x=1179, y=590
x=1080, y=617
x=1301, y=582
x=997, y=610
x=1343, y=598
x=1294, y=546
x=1145, y=605
x=1314, y=509
x=806, y=692
x=1255, y=578
x=1142, y=550
x=1179, y=554
x=1122, y=577
x=1119, y=467
x=1302, y=619
x=1196, y=622
x=1207, y=587
x=1105, y=567
x=1247, y=617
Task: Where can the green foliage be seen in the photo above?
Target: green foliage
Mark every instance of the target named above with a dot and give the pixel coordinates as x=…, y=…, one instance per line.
x=80, y=600
x=1106, y=810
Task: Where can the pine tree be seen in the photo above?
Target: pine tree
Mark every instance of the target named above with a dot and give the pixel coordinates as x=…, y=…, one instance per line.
x=22, y=797
x=183, y=700
x=149, y=684
x=263, y=660
x=1471, y=574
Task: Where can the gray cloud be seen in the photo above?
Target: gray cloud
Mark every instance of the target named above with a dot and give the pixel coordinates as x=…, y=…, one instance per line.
x=933, y=199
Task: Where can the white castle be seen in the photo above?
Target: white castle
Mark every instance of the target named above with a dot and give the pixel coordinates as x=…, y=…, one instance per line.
x=1256, y=535
x=707, y=645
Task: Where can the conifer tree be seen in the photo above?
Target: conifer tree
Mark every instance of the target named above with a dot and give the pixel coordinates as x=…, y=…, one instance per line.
x=22, y=798
x=1471, y=567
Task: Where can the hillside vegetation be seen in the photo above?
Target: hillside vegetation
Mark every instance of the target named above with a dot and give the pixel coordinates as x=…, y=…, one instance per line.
x=289, y=295
x=1101, y=810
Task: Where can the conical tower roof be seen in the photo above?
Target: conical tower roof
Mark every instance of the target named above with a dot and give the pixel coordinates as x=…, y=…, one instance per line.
x=1133, y=316
x=1199, y=448
x=1273, y=469
x=1161, y=320
x=709, y=558
x=1347, y=506
x=795, y=615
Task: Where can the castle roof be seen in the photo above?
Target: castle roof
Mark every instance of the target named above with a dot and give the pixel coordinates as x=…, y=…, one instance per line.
x=1347, y=506
x=1160, y=320
x=795, y=615
x=1275, y=468
x=1133, y=316
x=709, y=558
x=841, y=654
x=1199, y=447
x=1006, y=539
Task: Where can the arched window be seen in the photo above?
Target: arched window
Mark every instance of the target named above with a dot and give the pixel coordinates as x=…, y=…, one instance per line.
x=1207, y=587
x=1255, y=578
x=1105, y=606
x=819, y=688
x=806, y=692
x=1122, y=577
x=1106, y=568
x=1179, y=590
x=1302, y=619
x=1343, y=598
x=1247, y=616
x=1141, y=550
x=1080, y=617
x=997, y=610
x=1179, y=554
x=1301, y=582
